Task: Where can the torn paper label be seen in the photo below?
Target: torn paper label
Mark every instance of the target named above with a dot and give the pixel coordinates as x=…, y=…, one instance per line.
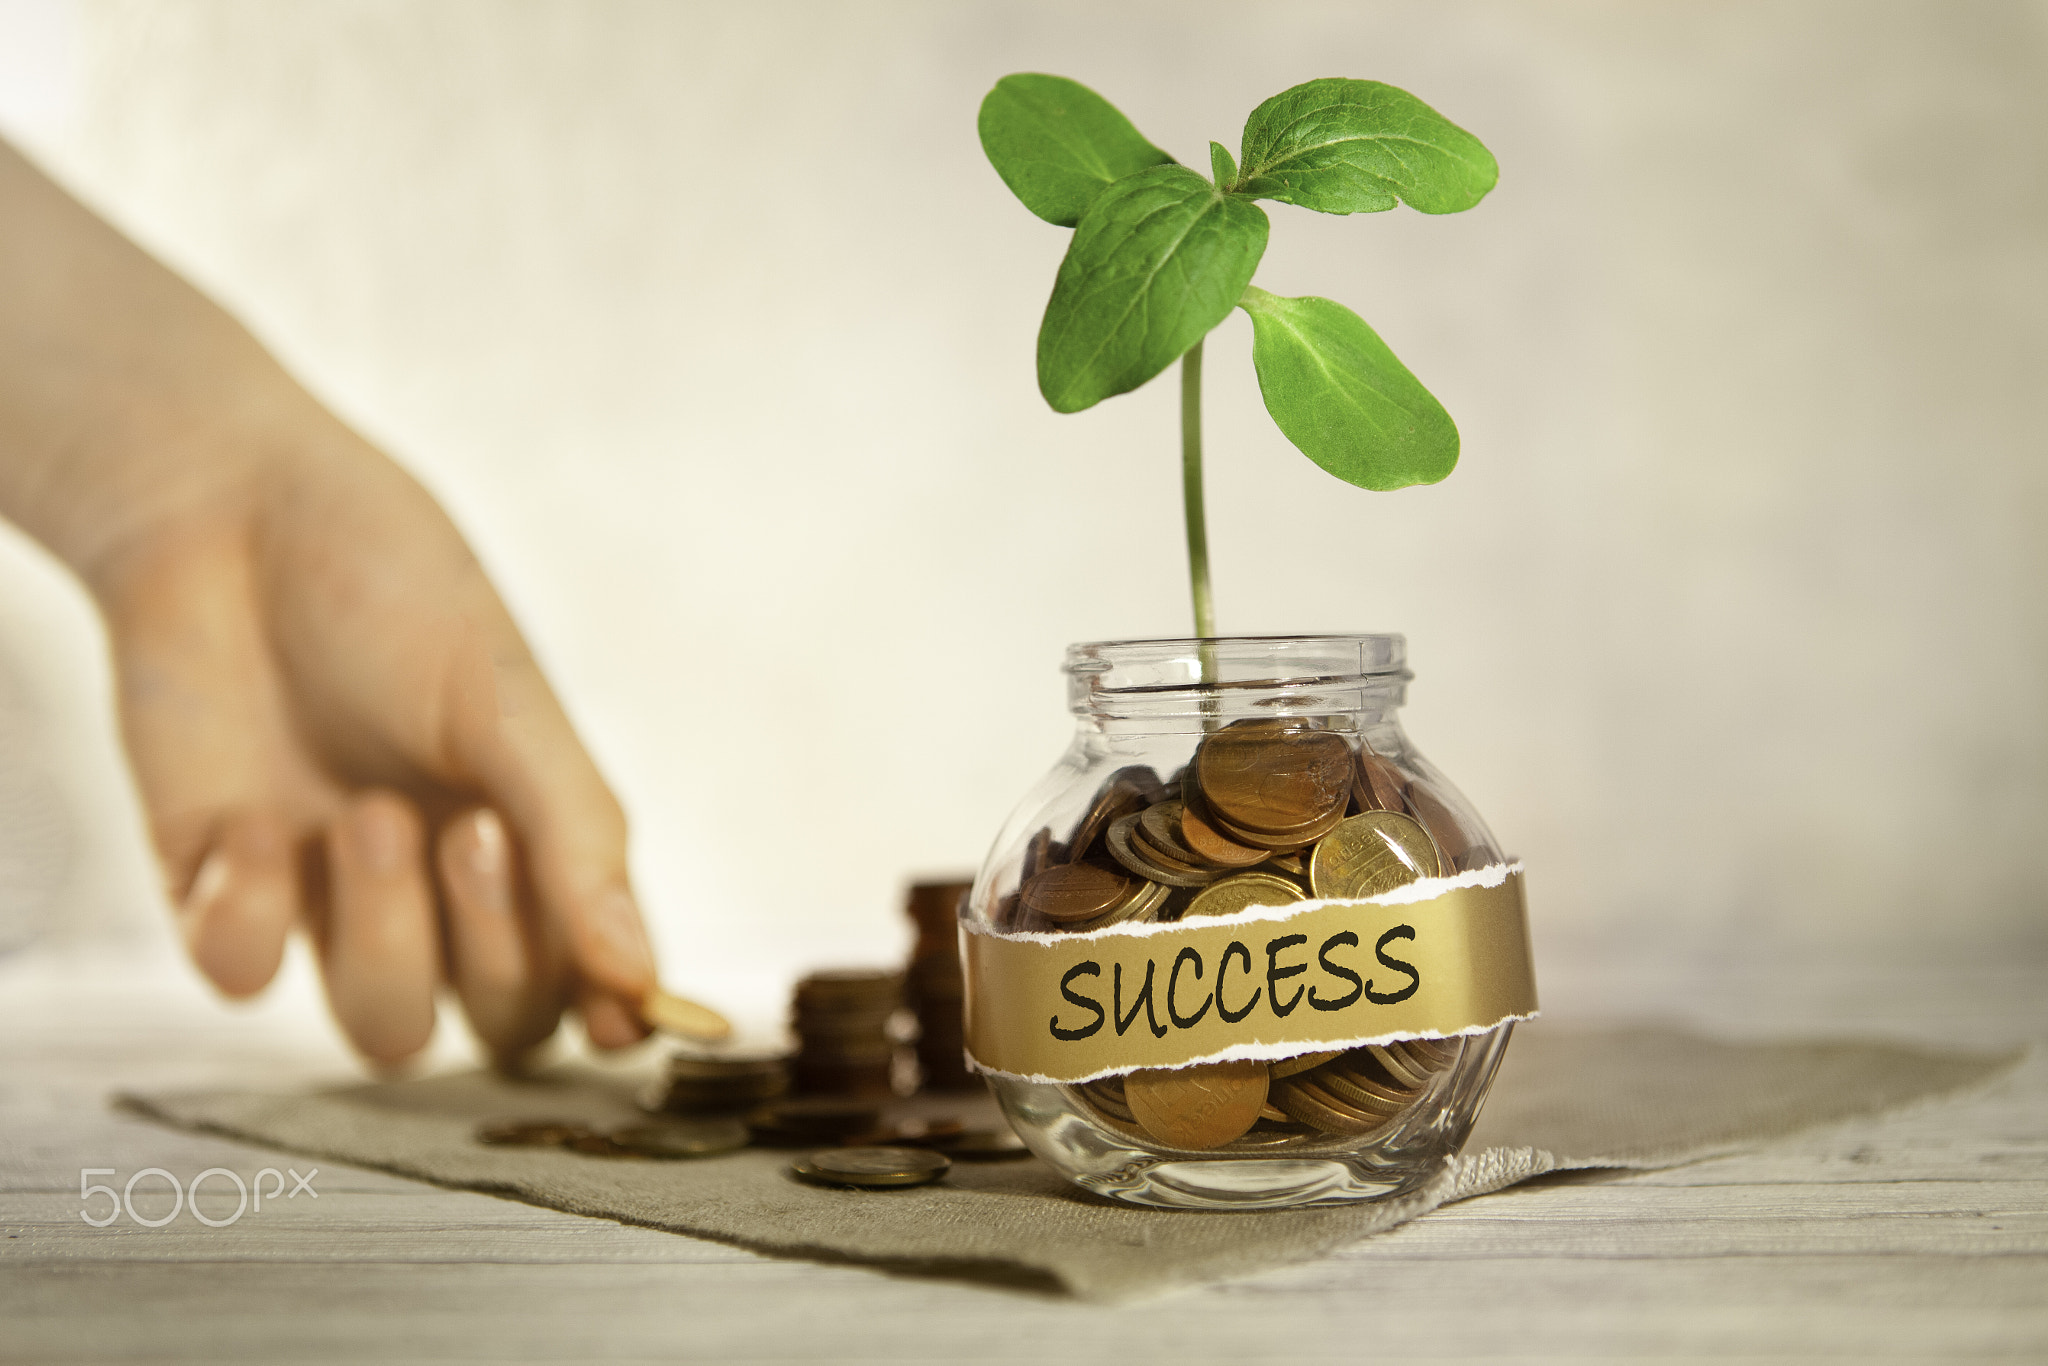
x=1433, y=960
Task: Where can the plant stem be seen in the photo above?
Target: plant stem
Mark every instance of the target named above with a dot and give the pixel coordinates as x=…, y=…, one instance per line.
x=1191, y=488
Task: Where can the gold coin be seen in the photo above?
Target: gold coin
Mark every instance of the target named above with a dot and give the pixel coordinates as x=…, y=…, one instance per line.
x=1132, y=856
x=1371, y=853
x=674, y=1014
x=1242, y=891
x=1433, y=1054
x=1360, y=1093
x=1316, y=1108
x=873, y=1167
x=1160, y=824
x=1106, y=1095
x=1399, y=1066
x=1203, y=1106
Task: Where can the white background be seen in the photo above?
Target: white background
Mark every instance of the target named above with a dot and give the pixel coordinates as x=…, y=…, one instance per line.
x=713, y=329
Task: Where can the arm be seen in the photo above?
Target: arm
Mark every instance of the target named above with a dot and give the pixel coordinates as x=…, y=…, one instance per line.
x=332, y=720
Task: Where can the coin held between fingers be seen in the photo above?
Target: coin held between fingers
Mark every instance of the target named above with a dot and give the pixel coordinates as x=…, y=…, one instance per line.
x=672, y=1014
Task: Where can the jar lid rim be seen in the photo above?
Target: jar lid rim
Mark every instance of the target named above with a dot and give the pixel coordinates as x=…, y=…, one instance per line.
x=1170, y=663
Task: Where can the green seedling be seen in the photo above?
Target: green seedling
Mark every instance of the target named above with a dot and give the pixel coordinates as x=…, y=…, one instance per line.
x=1161, y=254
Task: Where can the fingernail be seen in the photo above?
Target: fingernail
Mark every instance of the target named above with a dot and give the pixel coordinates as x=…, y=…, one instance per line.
x=487, y=849
x=207, y=885
x=376, y=835
x=616, y=921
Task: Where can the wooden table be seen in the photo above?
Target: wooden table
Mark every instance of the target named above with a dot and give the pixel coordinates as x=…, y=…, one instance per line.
x=1922, y=1235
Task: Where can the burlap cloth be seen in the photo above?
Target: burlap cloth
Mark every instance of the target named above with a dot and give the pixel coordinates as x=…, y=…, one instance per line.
x=1636, y=1097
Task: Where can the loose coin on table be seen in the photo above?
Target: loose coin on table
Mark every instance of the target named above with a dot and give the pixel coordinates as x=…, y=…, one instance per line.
x=872, y=1167
x=531, y=1133
x=696, y=1138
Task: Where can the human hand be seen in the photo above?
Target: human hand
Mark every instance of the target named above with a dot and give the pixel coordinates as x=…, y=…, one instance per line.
x=331, y=717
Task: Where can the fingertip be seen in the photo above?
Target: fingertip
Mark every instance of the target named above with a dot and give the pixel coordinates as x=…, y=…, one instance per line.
x=610, y=1021
x=382, y=946
x=609, y=942
x=242, y=904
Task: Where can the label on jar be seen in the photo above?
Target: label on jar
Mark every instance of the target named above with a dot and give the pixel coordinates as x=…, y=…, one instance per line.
x=1436, y=958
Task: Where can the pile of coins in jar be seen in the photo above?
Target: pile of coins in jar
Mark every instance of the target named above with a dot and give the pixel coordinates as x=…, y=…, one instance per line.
x=1267, y=812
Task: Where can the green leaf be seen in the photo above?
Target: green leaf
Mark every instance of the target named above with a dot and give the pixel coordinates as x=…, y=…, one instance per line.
x=1224, y=169
x=1160, y=258
x=1341, y=396
x=1057, y=144
x=1344, y=146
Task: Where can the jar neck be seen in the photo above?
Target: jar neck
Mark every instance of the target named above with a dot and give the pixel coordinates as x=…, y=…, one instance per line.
x=1165, y=686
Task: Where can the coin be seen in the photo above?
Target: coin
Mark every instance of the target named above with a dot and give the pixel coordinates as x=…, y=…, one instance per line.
x=1273, y=777
x=1127, y=791
x=1076, y=891
x=1399, y=1065
x=674, y=1014
x=1357, y=1088
x=595, y=1145
x=873, y=1167
x=1141, y=906
x=1452, y=835
x=1434, y=1054
x=1241, y=892
x=1379, y=784
x=531, y=1133
x=1037, y=854
x=700, y=1139
x=1317, y=1108
x=1371, y=853
x=1199, y=833
x=1202, y=1106
x=1147, y=863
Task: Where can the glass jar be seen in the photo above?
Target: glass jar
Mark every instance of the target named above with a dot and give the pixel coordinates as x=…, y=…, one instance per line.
x=1218, y=795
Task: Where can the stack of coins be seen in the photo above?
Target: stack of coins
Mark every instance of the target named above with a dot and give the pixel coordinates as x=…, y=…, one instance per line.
x=844, y=1022
x=932, y=986
x=1363, y=1089
x=718, y=1085
x=1267, y=812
